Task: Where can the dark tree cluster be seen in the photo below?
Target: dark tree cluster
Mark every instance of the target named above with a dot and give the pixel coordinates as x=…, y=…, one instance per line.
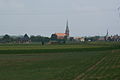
x=39, y=39
x=23, y=39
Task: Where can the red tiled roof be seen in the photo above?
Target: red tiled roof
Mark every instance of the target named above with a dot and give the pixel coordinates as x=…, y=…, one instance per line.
x=60, y=34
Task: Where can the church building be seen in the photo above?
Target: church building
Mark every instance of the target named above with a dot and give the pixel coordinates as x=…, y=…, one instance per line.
x=61, y=35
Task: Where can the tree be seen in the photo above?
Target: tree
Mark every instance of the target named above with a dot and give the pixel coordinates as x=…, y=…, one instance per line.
x=7, y=38
x=26, y=37
x=39, y=39
x=53, y=37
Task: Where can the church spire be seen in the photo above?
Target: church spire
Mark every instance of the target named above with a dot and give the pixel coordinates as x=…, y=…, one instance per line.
x=67, y=29
x=106, y=37
x=107, y=33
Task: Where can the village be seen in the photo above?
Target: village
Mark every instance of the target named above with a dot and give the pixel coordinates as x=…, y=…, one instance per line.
x=57, y=38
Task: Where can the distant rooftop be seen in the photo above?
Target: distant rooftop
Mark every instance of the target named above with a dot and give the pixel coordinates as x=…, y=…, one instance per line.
x=60, y=34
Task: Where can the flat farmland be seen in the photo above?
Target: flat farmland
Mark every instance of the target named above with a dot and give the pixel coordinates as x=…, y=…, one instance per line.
x=89, y=61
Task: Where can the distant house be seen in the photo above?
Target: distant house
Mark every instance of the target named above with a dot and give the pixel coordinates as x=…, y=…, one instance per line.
x=114, y=38
x=82, y=39
x=101, y=38
x=59, y=36
x=24, y=39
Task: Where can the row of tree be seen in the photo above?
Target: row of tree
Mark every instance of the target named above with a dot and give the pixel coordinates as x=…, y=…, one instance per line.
x=23, y=39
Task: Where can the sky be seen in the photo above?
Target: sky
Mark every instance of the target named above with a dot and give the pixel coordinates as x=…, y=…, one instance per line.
x=45, y=17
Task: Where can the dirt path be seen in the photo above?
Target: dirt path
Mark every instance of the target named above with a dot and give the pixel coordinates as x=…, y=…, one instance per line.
x=81, y=76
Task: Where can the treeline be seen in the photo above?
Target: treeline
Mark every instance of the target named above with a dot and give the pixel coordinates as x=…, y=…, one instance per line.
x=23, y=39
x=54, y=40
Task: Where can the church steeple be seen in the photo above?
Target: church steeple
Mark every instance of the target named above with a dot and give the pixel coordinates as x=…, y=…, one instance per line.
x=67, y=29
x=107, y=34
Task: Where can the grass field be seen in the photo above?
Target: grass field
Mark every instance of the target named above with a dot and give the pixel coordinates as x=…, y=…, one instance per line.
x=86, y=61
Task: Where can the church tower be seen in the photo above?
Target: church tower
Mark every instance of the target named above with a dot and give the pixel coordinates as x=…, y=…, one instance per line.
x=107, y=34
x=67, y=29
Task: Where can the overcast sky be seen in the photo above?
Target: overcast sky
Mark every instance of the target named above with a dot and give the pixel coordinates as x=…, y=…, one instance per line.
x=44, y=17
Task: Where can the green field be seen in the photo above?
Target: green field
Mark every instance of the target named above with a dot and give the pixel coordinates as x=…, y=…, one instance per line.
x=84, y=61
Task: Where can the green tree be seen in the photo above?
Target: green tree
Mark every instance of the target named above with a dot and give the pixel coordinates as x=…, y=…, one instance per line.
x=7, y=38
